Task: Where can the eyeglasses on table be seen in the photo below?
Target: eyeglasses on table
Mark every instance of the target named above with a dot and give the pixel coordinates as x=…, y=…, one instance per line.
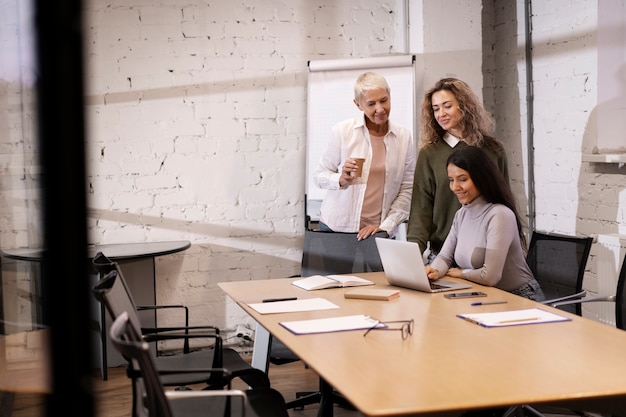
x=405, y=327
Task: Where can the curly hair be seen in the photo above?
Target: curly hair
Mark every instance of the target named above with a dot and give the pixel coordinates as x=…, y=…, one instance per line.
x=476, y=123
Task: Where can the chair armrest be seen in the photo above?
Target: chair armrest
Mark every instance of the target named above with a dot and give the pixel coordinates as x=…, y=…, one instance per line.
x=207, y=393
x=144, y=330
x=219, y=376
x=576, y=296
x=174, y=334
x=175, y=396
x=162, y=307
x=605, y=298
x=165, y=306
x=185, y=330
x=154, y=330
x=218, y=358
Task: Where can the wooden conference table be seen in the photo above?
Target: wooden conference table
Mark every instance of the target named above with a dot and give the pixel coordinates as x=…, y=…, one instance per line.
x=450, y=365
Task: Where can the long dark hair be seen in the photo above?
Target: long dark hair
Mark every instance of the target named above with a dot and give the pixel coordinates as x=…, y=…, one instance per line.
x=488, y=179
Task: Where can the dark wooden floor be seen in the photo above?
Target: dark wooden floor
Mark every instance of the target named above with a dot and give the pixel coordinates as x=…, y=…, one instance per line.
x=113, y=397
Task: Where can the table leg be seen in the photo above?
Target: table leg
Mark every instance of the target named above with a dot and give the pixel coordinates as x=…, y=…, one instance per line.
x=1, y=301
x=261, y=348
x=326, y=400
x=103, y=343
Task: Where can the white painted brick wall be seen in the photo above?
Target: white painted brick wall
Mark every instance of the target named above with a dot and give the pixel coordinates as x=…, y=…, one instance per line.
x=198, y=119
x=573, y=197
x=197, y=123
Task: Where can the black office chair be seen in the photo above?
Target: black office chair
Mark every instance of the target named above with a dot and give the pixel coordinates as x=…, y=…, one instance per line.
x=558, y=263
x=113, y=292
x=116, y=296
x=326, y=253
x=103, y=265
x=157, y=402
x=619, y=299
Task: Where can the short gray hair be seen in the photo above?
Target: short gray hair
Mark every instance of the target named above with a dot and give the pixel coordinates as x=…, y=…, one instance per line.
x=369, y=81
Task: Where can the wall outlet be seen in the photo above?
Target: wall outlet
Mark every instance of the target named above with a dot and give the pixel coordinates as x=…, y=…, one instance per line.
x=244, y=332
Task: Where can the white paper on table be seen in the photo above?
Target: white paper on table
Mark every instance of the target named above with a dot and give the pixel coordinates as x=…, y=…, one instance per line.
x=332, y=324
x=292, y=306
x=513, y=317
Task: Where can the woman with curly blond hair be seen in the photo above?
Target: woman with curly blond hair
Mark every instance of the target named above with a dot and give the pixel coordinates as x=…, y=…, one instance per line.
x=452, y=116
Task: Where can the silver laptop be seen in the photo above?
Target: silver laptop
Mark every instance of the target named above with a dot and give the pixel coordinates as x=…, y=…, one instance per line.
x=404, y=267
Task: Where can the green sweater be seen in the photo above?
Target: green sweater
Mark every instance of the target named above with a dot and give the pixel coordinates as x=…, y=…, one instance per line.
x=433, y=205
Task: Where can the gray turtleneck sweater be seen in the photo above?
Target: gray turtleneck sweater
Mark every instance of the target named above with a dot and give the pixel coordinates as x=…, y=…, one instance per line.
x=484, y=242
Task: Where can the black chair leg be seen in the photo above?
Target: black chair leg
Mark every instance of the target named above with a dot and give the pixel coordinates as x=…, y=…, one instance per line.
x=304, y=398
x=326, y=397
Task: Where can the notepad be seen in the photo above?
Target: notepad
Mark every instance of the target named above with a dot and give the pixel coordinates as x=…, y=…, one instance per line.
x=513, y=318
x=332, y=324
x=320, y=282
x=372, y=294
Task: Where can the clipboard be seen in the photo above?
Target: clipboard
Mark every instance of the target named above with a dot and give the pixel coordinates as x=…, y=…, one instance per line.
x=332, y=324
x=513, y=317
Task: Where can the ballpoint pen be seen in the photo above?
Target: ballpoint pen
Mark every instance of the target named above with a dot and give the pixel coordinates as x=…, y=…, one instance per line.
x=273, y=300
x=484, y=303
x=518, y=320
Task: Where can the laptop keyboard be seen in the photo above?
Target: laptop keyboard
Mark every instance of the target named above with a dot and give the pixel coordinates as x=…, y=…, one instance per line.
x=437, y=286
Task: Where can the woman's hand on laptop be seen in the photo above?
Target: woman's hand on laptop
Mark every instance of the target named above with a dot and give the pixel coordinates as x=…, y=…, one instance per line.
x=431, y=272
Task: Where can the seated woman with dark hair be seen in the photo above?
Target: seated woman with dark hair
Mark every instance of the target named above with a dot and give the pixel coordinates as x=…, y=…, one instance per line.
x=486, y=239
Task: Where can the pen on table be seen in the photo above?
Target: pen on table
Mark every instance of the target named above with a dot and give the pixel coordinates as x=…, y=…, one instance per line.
x=273, y=300
x=518, y=320
x=485, y=303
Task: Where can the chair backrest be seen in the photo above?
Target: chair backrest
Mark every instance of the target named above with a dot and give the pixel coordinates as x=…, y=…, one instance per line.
x=114, y=291
x=154, y=400
x=123, y=335
x=327, y=253
x=620, y=298
x=102, y=264
x=111, y=290
x=558, y=263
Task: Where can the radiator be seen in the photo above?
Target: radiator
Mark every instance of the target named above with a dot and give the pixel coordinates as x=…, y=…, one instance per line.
x=611, y=250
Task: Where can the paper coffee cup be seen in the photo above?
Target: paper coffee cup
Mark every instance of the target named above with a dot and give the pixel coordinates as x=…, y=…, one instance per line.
x=359, y=171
